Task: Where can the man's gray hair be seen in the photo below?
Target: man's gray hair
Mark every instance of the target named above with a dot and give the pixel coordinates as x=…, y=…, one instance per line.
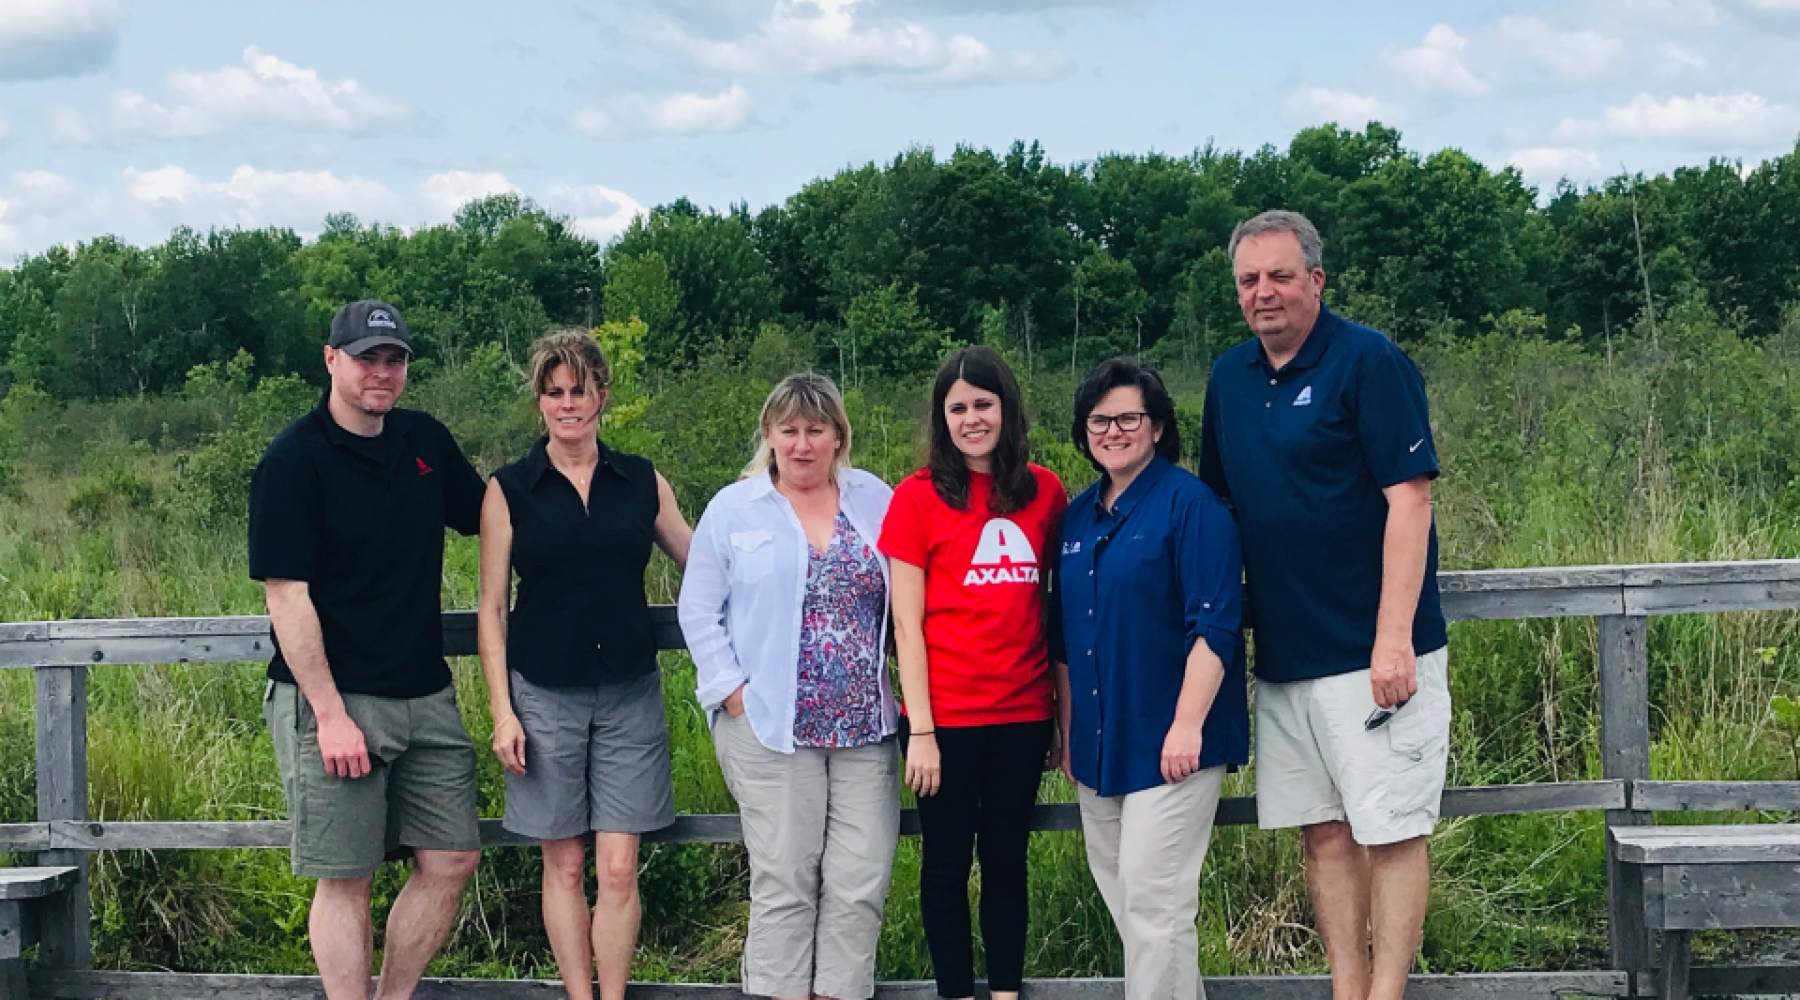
x=1279, y=221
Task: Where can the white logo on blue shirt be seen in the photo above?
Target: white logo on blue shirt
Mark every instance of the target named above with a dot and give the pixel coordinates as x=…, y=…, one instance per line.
x=1305, y=397
x=1072, y=548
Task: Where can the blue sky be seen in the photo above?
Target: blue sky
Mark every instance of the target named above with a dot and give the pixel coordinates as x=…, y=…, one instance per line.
x=133, y=116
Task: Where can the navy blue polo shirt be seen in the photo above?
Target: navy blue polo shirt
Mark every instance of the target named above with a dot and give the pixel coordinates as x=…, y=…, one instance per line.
x=1140, y=584
x=1303, y=454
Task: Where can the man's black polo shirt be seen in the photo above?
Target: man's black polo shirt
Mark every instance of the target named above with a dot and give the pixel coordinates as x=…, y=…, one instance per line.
x=1303, y=454
x=362, y=520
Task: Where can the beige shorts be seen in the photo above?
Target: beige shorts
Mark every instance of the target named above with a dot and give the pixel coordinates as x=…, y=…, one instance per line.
x=1316, y=763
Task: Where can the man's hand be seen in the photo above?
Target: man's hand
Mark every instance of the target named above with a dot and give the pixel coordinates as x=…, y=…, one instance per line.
x=509, y=744
x=341, y=744
x=1393, y=672
x=1181, y=751
x=734, y=703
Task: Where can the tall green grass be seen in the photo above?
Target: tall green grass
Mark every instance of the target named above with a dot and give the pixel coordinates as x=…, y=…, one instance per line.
x=1686, y=449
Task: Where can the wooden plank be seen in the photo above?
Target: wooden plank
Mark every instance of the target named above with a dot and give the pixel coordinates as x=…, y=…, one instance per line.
x=1625, y=756
x=1730, y=896
x=62, y=770
x=24, y=837
x=35, y=883
x=1561, y=796
x=1715, y=796
x=12, y=932
x=1497, y=605
x=1698, y=845
x=1047, y=817
x=1689, y=573
x=1531, y=578
x=59, y=985
x=1674, y=965
x=1711, y=597
x=1743, y=980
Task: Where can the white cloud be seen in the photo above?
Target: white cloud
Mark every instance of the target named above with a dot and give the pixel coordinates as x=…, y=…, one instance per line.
x=265, y=90
x=1701, y=122
x=1549, y=164
x=634, y=115
x=1574, y=56
x=31, y=205
x=40, y=39
x=825, y=38
x=251, y=198
x=1437, y=64
x=69, y=127
x=1776, y=6
x=600, y=212
x=5, y=133
x=1318, y=105
x=442, y=194
x=1682, y=57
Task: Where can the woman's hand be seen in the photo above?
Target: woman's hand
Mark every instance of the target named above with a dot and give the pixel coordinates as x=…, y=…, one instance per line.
x=734, y=703
x=924, y=769
x=1053, y=757
x=509, y=744
x=1181, y=751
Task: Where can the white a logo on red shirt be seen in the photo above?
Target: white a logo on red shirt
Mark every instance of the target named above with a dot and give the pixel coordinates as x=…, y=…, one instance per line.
x=1004, y=555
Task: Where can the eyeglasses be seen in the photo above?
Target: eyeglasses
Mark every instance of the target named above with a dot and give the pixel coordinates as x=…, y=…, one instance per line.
x=1099, y=423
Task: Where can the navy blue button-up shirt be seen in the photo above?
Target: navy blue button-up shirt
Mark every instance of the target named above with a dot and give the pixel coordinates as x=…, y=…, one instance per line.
x=1140, y=584
x=1303, y=454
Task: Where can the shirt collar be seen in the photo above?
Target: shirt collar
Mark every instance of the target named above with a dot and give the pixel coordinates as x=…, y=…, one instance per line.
x=538, y=464
x=1311, y=349
x=1144, y=483
x=337, y=435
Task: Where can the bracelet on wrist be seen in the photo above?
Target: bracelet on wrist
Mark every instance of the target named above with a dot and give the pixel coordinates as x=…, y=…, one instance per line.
x=922, y=732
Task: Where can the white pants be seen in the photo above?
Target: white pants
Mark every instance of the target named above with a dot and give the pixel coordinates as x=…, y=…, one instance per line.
x=820, y=827
x=1316, y=762
x=1146, y=850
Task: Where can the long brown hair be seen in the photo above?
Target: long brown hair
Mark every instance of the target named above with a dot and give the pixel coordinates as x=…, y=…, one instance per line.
x=1014, y=485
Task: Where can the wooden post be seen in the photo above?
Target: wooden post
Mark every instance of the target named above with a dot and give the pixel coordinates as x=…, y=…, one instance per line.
x=62, y=789
x=1625, y=754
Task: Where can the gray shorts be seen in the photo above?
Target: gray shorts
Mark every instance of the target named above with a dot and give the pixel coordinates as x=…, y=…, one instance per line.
x=596, y=758
x=419, y=792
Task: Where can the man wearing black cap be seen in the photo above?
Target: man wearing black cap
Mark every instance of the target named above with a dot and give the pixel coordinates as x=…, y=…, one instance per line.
x=347, y=515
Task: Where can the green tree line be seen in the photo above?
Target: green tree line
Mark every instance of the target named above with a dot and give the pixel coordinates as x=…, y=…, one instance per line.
x=872, y=272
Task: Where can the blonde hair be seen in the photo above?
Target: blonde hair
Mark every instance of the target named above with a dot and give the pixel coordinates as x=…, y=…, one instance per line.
x=574, y=348
x=808, y=395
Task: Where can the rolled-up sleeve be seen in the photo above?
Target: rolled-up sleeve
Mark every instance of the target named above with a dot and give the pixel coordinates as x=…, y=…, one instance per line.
x=701, y=609
x=1212, y=575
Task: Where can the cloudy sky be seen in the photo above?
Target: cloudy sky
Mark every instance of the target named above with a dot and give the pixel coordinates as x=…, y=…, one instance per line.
x=133, y=116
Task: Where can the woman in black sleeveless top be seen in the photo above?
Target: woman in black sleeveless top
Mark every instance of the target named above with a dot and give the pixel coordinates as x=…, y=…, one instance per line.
x=571, y=667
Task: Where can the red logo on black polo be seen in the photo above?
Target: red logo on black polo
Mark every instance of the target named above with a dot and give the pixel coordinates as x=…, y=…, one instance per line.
x=424, y=470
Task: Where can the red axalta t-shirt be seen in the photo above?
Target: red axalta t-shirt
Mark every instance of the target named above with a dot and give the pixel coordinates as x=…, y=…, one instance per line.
x=984, y=624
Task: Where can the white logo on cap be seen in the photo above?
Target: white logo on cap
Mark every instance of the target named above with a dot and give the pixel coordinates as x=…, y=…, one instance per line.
x=381, y=317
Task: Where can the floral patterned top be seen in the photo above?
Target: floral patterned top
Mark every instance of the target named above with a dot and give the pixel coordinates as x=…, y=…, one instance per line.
x=838, y=695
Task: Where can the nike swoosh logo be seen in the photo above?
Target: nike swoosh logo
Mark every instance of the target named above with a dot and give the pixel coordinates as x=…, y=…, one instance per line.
x=1415, y=446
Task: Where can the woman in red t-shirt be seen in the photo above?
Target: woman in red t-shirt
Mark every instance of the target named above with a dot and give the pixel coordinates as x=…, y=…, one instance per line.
x=966, y=537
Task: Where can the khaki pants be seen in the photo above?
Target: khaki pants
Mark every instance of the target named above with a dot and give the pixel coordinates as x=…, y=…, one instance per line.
x=820, y=827
x=1145, y=850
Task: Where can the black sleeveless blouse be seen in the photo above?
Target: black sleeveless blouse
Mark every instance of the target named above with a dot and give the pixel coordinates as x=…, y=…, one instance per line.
x=581, y=617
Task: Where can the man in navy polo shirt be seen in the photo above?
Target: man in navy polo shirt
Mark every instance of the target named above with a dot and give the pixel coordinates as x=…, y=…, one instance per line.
x=1316, y=431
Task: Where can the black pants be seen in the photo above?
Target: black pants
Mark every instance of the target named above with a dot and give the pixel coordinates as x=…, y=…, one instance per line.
x=982, y=806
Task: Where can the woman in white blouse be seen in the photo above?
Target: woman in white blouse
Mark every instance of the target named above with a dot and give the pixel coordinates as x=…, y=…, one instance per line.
x=784, y=604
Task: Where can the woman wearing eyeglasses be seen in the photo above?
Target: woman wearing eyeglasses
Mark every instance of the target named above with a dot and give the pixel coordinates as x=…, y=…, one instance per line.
x=1150, y=670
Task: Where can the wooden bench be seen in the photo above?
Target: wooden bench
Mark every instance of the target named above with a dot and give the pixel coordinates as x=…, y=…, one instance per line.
x=20, y=891
x=1689, y=878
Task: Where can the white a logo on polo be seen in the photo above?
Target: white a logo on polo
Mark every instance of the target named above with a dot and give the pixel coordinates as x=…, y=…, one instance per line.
x=1003, y=556
x=1305, y=397
x=381, y=317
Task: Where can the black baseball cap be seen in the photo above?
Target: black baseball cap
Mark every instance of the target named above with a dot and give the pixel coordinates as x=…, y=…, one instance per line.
x=368, y=323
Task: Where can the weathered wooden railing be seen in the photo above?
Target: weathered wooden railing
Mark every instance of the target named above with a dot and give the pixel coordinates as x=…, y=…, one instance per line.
x=1621, y=597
